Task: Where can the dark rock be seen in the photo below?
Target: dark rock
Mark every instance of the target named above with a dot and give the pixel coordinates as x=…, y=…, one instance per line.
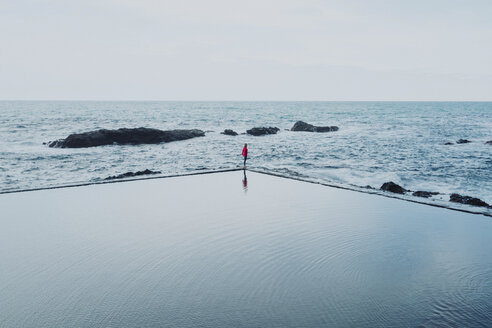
x=488, y=142
x=425, y=194
x=393, y=187
x=124, y=137
x=457, y=198
x=229, y=132
x=303, y=126
x=463, y=141
x=325, y=128
x=132, y=174
x=262, y=131
x=369, y=187
x=449, y=143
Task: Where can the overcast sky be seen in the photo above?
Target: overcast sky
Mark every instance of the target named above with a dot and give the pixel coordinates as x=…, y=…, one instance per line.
x=246, y=50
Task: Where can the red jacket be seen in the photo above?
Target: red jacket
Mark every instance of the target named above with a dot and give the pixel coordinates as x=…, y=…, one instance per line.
x=245, y=152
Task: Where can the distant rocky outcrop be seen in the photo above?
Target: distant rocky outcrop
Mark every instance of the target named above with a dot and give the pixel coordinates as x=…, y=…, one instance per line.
x=488, y=142
x=262, y=131
x=124, y=137
x=457, y=198
x=425, y=194
x=229, y=132
x=132, y=174
x=463, y=141
x=448, y=143
x=303, y=126
x=393, y=187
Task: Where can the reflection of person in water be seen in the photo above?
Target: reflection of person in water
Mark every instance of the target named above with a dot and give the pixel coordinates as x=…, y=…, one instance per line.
x=245, y=181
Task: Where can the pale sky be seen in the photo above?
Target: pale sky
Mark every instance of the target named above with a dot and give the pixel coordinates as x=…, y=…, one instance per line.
x=246, y=50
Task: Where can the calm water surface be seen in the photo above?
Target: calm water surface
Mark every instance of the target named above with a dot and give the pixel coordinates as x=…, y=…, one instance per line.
x=205, y=251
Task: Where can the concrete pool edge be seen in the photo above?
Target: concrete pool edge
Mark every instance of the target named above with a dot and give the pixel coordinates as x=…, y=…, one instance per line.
x=259, y=171
x=103, y=182
x=369, y=191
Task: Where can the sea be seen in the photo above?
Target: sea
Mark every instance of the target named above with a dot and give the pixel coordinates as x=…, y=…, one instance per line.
x=377, y=142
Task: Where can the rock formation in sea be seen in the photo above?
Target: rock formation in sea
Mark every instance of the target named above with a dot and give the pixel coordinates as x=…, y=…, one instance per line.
x=262, y=131
x=132, y=174
x=393, y=187
x=448, y=143
x=457, y=198
x=229, y=132
x=425, y=194
x=124, y=137
x=303, y=126
x=463, y=141
x=488, y=142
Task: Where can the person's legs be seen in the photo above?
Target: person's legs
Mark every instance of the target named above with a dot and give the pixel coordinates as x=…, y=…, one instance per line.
x=245, y=157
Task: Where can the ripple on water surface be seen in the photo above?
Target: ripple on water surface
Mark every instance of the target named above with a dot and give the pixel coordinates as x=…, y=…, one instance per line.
x=200, y=251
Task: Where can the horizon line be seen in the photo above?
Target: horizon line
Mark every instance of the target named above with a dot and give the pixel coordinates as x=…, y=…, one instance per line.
x=228, y=100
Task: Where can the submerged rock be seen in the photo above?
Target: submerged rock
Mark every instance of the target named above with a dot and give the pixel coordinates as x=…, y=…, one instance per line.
x=303, y=126
x=457, y=198
x=463, y=141
x=262, y=131
x=425, y=194
x=132, y=174
x=393, y=187
x=448, y=143
x=229, y=132
x=124, y=137
x=488, y=142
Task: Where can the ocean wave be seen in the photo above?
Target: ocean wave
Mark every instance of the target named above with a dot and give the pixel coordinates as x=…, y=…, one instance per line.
x=376, y=143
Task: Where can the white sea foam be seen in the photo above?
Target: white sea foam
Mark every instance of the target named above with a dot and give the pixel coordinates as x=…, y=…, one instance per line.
x=376, y=143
